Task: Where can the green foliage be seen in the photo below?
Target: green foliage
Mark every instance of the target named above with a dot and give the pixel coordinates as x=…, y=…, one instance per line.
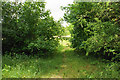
x=96, y=27
x=28, y=28
x=66, y=64
x=23, y=66
x=66, y=31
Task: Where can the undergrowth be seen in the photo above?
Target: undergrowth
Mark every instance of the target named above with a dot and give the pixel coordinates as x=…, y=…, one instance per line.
x=65, y=64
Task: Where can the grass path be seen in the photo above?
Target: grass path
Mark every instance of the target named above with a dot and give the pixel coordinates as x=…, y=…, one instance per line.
x=74, y=66
x=79, y=66
x=65, y=64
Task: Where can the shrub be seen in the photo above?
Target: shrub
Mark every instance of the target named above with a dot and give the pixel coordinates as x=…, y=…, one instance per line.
x=96, y=27
x=28, y=28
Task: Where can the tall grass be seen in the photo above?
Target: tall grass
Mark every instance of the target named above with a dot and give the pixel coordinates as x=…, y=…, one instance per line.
x=65, y=64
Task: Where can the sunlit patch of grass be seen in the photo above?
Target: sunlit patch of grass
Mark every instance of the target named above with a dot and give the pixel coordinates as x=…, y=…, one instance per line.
x=65, y=42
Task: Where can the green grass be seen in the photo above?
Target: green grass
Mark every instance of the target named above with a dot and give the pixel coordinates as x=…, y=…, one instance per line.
x=65, y=64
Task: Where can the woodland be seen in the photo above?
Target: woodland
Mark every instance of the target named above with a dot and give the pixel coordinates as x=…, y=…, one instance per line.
x=31, y=50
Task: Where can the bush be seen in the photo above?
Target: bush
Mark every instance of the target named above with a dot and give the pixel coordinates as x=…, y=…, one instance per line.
x=96, y=30
x=28, y=28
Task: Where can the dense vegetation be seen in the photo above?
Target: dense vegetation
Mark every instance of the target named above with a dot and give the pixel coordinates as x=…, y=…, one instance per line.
x=28, y=28
x=96, y=28
x=30, y=35
x=66, y=64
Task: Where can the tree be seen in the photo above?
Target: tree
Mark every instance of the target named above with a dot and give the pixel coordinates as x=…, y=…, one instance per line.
x=96, y=27
x=28, y=28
